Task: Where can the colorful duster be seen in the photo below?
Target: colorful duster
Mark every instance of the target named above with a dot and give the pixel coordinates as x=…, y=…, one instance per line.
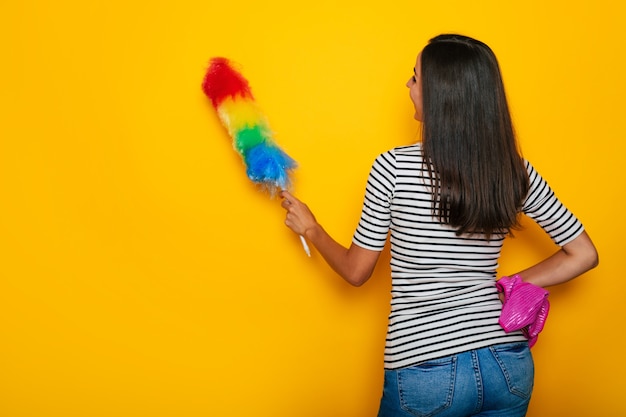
x=266, y=164
x=230, y=94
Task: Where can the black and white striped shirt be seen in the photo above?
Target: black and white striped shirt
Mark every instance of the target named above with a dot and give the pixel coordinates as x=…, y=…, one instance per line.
x=444, y=299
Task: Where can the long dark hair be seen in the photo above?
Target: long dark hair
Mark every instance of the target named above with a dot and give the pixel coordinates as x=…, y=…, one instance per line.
x=478, y=175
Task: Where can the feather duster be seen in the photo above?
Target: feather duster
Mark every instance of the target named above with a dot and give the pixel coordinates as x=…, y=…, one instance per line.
x=230, y=94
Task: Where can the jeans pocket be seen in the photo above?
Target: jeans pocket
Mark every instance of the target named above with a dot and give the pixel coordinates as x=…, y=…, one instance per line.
x=516, y=363
x=427, y=389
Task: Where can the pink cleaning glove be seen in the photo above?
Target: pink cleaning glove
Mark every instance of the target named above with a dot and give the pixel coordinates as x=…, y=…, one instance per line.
x=525, y=307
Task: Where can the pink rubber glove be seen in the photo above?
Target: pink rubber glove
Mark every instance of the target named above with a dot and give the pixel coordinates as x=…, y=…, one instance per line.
x=525, y=307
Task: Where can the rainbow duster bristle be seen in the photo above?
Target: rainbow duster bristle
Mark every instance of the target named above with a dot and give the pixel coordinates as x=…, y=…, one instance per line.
x=230, y=94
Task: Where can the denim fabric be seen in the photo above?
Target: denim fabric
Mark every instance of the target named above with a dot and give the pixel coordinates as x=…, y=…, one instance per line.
x=496, y=381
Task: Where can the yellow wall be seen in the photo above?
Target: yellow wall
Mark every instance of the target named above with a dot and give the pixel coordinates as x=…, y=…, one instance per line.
x=141, y=273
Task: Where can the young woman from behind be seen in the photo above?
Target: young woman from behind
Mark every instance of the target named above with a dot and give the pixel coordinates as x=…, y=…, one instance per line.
x=448, y=202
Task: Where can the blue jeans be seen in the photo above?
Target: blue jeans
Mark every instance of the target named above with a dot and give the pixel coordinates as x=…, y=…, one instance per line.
x=495, y=381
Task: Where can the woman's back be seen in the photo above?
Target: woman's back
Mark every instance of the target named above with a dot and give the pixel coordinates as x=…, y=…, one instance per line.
x=444, y=298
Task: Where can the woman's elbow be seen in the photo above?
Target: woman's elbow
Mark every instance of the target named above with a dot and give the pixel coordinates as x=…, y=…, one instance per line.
x=360, y=265
x=593, y=259
x=588, y=257
x=584, y=252
x=357, y=279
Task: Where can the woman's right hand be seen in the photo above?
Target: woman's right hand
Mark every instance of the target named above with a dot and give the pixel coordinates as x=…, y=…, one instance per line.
x=299, y=218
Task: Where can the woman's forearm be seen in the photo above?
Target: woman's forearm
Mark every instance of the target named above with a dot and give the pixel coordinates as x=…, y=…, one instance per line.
x=354, y=264
x=572, y=260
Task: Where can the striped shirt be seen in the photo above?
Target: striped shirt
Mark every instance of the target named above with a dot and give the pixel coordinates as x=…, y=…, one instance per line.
x=444, y=300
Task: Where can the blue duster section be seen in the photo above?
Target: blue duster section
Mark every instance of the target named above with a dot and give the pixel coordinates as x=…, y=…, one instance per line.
x=268, y=165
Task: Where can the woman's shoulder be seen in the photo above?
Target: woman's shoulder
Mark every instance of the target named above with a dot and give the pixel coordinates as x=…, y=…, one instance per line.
x=414, y=150
x=400, y=157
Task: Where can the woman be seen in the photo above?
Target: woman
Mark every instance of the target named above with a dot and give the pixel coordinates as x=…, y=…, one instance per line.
x=448, y=202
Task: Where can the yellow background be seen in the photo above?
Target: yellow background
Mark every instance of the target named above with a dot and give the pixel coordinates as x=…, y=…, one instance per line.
x=142, y=274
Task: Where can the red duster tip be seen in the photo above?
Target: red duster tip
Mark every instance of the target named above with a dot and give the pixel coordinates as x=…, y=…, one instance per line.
x=222, y=81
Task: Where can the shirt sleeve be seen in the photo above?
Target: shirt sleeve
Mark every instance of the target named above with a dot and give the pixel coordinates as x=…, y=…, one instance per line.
x=544, y=207
x=371, y=232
